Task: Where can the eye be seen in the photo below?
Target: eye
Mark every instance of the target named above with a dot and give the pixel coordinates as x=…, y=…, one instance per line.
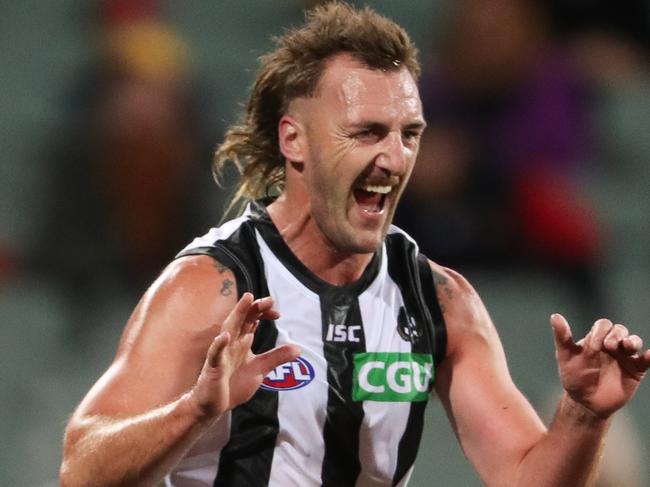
x=364, y=134
x=370, y=134
x=411, y=135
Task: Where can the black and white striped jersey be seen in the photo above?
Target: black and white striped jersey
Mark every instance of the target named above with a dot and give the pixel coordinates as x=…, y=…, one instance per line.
x=350, y=410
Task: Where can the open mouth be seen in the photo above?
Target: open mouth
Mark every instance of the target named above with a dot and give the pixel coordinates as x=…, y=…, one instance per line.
x=371, y=198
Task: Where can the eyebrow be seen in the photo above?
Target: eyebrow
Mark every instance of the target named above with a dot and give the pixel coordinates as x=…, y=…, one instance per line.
x=419, y=125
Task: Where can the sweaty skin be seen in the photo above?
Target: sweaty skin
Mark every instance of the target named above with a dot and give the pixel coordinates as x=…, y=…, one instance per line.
x=499, y=431
x=185, y=357
x=364, y=126
x=361, y=129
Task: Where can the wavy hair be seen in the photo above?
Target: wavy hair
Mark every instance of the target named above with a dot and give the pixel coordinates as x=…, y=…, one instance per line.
x=293, y=70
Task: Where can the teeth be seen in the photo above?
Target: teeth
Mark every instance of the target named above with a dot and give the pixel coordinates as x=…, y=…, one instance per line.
x=377, y=189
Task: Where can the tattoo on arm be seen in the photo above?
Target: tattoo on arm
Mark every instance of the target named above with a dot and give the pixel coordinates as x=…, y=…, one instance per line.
x=226, y=287
x=442, y=286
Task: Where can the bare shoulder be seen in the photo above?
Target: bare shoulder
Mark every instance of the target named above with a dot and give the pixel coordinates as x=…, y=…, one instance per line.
x=466, y=317
x=165, y=340
x=196, y=277
x=191, y=294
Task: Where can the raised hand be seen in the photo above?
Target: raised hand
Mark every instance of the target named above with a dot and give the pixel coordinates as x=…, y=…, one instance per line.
x=604, y=369
x=232, y=373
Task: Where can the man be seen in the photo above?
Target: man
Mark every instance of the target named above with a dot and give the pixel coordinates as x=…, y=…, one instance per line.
x=332, y=130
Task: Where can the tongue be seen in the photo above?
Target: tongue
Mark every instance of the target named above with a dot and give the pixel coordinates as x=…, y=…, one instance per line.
x=368, y=201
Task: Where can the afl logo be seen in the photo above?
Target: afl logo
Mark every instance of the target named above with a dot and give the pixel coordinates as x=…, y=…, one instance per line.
x=289, y=376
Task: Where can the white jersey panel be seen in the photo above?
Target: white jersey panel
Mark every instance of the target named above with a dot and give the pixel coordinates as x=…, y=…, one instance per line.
x=382, y=426
x=301, y=412
x=199, y=466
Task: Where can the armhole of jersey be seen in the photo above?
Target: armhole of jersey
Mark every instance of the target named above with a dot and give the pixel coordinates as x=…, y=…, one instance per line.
x=222, y=255
x=430, y=297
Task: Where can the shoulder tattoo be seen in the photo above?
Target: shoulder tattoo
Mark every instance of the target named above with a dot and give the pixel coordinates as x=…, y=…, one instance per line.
x=226, y=287
x=442, y=287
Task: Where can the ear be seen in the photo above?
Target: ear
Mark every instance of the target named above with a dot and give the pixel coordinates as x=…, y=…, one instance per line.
x=291, y=139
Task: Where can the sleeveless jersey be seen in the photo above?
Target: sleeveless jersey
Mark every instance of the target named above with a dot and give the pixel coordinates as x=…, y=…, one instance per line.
x=349, y=411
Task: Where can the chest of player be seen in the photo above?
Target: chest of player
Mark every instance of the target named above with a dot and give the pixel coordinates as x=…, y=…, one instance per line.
x=358, y=347
x=365, y=363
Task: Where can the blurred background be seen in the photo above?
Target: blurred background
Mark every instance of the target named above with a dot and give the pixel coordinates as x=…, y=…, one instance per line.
x=533, y=180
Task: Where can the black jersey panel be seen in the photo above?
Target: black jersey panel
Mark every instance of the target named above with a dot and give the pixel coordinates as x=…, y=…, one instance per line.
x=247, y=457
x=435, y=311
x=240, y=253
x=415, y=324
x=341, y=465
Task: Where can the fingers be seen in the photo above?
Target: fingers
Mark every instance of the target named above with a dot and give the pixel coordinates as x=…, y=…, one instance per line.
x=263, y=309
x=615, y=339
x=268, y=361
x=237, y=316
x=561, y=330
x=616, y=335
x=564, y=344
x=246, y=313
x=632, y=345
x=644, y=360
x=260, y=309
x=596, y=336
x=215, y=352
x=619, y=341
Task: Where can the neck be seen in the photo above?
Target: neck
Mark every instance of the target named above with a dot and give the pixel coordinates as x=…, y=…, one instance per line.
x=301, y=233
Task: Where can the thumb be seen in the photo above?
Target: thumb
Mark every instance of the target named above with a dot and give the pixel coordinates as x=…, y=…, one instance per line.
x=564, y=344
x=268, y=361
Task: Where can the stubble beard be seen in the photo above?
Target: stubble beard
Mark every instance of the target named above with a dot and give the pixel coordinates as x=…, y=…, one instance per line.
x=345, y=239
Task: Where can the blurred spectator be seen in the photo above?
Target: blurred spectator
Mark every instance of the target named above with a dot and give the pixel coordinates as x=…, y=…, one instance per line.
x=125, y=174
x=610, y=40
x=537, y=141
x=611, y=43
x=495, y=182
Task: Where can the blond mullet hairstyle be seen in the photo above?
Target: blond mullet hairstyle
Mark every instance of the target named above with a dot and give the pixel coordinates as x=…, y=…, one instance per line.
x=293, y=70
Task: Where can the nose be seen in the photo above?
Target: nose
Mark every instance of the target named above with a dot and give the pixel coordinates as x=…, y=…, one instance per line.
x=394, y=155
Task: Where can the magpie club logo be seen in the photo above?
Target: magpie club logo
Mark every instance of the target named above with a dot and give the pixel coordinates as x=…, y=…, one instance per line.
x=407, y=327
x=289, y=376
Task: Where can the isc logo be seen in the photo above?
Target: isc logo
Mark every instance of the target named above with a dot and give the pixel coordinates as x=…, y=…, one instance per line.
x=343, y=333
x=289, y=376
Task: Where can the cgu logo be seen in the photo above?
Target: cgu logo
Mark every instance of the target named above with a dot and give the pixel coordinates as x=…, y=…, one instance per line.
x=392, y=376
x=289, y=376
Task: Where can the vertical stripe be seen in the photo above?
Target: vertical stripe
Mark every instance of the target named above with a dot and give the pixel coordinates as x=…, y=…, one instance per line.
x=429, y=290
x=317, y=435
x=246, y=459
x=402, y=267
x=301, y=412
x=384, y=423
x=341, y=465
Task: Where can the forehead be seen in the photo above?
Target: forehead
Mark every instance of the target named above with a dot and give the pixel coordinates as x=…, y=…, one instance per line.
x=360, y=92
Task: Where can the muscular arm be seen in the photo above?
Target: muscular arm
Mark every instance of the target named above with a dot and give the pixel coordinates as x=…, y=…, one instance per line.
x=183, y=360
x=133, y=450
x=499, y=431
